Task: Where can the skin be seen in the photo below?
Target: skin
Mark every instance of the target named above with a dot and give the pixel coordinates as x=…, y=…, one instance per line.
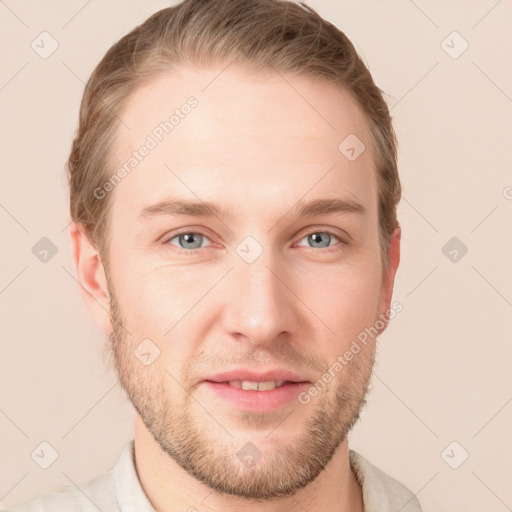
x=257, y=146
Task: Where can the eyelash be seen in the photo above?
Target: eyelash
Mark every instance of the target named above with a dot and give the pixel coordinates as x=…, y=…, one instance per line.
x=190, y=252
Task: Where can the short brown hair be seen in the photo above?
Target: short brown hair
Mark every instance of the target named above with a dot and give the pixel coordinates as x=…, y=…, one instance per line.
x=266, y=34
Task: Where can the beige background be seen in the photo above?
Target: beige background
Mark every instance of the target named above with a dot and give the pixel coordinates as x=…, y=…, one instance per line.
x=443, y=365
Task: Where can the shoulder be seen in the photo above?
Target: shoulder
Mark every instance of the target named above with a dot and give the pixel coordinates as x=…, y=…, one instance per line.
x=96, y=494
x=381, y=492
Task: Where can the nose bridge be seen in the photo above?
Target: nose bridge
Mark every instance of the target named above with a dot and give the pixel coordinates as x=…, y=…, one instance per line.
x=258, y=306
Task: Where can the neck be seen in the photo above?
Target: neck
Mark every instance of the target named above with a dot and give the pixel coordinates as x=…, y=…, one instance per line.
x=169, y=487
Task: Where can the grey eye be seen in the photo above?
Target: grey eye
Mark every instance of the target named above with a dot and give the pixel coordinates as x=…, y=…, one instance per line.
x=190, y=240
x=319, y=239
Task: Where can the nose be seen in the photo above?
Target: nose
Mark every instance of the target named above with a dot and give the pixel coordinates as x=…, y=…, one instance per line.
x=259, y=305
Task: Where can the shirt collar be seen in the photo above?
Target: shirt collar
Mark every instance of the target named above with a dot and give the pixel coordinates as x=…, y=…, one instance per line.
x=129, y=492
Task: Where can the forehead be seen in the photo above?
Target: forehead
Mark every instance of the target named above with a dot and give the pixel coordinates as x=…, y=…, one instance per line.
x=249, y=138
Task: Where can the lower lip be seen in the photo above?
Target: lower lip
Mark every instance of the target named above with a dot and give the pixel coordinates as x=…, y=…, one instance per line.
x=258, y=401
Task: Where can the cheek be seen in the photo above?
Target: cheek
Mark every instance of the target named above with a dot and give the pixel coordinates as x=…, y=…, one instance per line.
x=161, y=304
x=346, y=298
x=155, y=298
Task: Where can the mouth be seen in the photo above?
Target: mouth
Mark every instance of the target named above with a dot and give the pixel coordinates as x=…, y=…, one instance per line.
x=257, y=396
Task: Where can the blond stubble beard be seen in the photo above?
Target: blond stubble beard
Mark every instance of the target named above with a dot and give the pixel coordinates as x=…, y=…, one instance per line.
x=282, y=470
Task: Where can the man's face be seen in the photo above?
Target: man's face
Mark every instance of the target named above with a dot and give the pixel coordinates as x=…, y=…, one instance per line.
x=255, y=287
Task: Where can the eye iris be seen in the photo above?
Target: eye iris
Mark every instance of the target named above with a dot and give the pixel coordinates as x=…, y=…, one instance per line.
x=316, y=237
x=188, y=237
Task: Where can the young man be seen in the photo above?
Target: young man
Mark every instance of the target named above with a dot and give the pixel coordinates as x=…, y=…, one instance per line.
x=233, y=190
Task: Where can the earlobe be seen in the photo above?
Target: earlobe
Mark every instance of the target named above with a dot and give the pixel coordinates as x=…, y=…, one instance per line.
x=91, y=276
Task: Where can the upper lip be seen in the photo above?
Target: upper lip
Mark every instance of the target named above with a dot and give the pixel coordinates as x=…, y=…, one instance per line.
x=244, y=374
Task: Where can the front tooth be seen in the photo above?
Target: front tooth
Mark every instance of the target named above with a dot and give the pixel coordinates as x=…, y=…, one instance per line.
x=267, y=386
x=249, y=386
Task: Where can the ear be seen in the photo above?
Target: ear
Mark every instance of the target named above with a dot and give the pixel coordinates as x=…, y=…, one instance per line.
x=91, y=276
x=388, y=274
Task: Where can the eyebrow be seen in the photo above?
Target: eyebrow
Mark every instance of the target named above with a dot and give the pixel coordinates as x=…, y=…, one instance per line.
x=317, y=207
